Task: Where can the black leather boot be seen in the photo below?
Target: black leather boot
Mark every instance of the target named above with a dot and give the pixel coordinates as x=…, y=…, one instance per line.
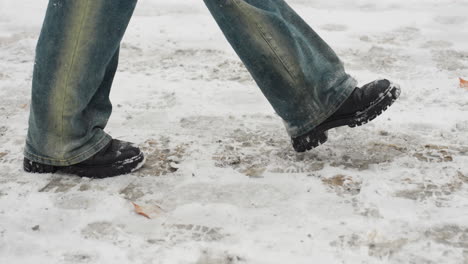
x=117, y=158
x=363, y=105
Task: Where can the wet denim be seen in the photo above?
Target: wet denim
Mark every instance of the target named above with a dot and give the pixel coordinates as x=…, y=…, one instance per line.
x=77, y=56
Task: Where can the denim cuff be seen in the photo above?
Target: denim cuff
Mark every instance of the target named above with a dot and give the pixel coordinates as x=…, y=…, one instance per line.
x=346, y=88
x=97, y=143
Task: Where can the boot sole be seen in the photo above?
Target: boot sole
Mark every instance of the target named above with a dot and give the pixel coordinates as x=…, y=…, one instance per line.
x=97, y=172
x=319, y=135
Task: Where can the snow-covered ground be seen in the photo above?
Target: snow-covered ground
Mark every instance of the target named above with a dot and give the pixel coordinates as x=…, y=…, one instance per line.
x=220, y=164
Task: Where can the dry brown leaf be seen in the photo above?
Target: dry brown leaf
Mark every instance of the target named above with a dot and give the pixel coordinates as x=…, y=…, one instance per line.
x=463, y=83
x=150, y=211
x=140, y=211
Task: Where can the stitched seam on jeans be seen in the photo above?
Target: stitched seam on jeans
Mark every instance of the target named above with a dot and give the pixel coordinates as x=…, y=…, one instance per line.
x=272, y=46
x=70, y=69
x=275, y=50
x=72, y=158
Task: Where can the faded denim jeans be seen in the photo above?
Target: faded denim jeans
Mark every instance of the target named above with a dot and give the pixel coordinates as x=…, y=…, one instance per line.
x=78, y=51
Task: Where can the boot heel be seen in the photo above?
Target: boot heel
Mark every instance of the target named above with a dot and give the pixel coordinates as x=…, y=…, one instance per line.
x=34, y=167
x=310, y=141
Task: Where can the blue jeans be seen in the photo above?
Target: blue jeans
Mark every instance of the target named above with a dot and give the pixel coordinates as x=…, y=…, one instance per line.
x=78, y=51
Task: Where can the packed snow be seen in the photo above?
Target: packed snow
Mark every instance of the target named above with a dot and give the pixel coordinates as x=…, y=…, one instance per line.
x=222, y=183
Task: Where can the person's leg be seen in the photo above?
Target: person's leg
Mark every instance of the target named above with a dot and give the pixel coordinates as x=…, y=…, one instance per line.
x=76, y=60
x=298, y=72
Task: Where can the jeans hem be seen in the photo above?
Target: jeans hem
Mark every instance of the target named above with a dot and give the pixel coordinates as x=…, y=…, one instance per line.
x=90, y=149
x=346, y=87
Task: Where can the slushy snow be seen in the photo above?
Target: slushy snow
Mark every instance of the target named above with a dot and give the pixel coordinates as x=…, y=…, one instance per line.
x=222, y=182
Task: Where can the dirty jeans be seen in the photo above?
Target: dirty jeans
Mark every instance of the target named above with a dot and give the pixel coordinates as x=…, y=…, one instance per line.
x=78, y=52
